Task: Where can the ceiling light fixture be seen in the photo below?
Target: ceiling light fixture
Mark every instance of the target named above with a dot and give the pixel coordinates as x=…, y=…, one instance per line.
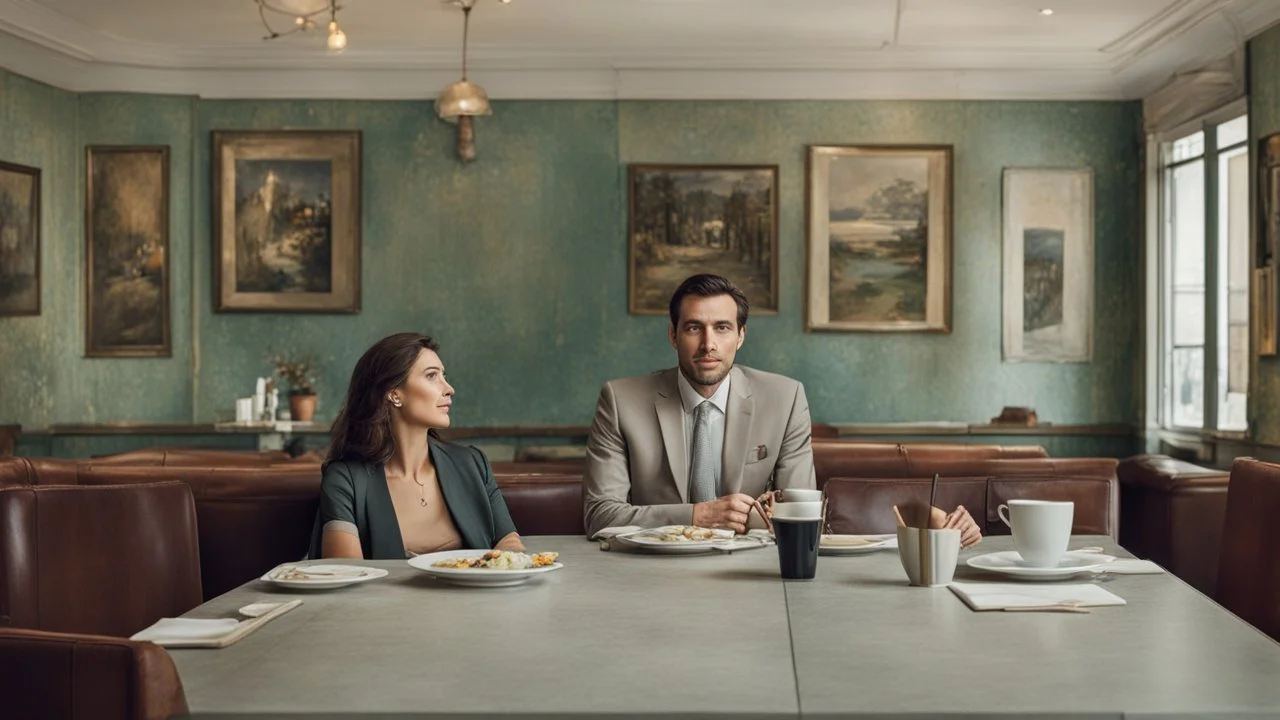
x=463, y=100
x=1046, y=11
x=304, y=14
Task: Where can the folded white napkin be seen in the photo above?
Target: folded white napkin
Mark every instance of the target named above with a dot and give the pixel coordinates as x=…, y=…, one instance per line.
x=1131, y=567
x=166, y=629
x=998, y=596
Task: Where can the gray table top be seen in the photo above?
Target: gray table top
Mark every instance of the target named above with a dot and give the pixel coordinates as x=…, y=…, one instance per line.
x=621, y=633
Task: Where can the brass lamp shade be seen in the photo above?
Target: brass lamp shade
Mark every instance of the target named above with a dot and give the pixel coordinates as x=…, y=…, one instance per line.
x=462, y=99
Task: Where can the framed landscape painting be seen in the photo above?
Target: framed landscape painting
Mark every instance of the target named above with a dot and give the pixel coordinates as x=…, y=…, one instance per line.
x=19, y=240
x=286, y=221
x=689, y=219
x=879, y=238
x=127, y=251
x=1048, y=264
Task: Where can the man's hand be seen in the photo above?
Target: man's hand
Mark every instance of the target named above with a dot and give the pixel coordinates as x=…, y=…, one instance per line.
x=961, y=520
x=728, y=512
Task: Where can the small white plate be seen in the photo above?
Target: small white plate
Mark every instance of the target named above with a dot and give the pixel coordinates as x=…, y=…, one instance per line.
x=475, y=577
x=1010, y=563
x=322, y=577
x=851, y=545
x=651, y=539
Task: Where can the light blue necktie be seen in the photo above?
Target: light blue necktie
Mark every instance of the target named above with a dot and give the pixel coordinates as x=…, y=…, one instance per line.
x=702, y=478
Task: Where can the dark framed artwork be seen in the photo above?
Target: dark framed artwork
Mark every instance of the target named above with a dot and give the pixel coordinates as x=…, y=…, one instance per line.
x=19, y=240
x=127, y=251
x=689, y=219
x=1269, y=200
x=286, y=221
x=879, y=238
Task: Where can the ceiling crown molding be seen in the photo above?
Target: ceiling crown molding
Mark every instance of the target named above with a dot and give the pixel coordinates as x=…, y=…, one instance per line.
x=52, y=48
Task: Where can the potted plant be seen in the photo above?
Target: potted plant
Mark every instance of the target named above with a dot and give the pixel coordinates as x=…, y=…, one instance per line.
x=300, y=376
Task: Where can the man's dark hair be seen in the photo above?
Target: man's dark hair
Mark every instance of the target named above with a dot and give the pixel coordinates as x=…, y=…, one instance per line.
x=708, y=285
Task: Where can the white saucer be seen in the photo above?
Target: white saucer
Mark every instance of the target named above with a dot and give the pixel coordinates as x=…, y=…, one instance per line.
x=322, y=577
x=1010, y=563
x=835, y=544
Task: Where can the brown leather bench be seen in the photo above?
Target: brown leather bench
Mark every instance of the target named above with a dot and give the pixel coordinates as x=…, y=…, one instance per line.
x=865, y=505
x=1171, y=512
x=840, y=458
x=64, y=676
x=99, y=560
x=198, y=457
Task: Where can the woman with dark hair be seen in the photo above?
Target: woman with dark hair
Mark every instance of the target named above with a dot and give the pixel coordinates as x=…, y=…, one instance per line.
x=391, y=487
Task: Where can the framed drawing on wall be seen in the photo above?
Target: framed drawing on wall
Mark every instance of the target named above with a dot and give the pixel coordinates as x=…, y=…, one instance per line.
x=1264, y=311
x=689, y=219
x=879, y=238
x=1048, y=265
x=286, y=221
x=19, y=240
x=127, y=251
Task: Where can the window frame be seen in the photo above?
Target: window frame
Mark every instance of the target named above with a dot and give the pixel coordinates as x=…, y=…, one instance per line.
x=1159, y=364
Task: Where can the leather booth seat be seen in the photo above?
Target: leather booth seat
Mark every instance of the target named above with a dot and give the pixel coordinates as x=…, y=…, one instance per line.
x=865, y=505
x=99, y=560
x=842, y=458
x=1172, y=513
x=61, y=676
x=199, y=457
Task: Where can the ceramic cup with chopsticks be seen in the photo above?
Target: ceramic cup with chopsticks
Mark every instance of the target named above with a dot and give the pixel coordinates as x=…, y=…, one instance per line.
x=929, y=556
x=1041, y=529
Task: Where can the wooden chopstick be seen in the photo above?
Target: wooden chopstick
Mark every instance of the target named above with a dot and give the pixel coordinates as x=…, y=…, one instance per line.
x=763, y=516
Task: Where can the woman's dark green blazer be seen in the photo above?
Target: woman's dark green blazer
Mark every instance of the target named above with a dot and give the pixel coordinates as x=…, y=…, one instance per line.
x=356, y=491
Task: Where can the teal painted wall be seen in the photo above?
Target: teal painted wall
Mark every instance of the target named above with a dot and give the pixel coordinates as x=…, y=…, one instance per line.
x=1264, y=118
x=518, y=261
x=38, y=354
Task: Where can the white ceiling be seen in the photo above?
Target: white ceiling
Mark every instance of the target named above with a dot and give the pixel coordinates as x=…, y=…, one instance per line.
x=786, y=49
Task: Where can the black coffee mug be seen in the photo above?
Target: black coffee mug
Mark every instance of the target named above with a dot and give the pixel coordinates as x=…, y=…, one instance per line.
x=797, y=542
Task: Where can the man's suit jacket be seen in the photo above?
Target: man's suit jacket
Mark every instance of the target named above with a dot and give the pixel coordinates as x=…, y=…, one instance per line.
x=637, y=471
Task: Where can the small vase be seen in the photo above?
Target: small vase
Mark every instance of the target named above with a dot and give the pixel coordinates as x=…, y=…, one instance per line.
x=302, y=407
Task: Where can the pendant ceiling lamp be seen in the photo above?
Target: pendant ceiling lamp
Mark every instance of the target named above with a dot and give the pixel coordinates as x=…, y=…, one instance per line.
x=464, y=100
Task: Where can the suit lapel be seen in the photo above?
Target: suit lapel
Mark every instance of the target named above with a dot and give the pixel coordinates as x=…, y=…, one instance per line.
x=666, y=402
x=737, y=431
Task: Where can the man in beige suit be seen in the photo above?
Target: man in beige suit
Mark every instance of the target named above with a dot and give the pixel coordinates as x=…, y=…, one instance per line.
x=696, y=444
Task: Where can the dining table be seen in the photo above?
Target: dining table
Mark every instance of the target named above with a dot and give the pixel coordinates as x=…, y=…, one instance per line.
x=720, y=634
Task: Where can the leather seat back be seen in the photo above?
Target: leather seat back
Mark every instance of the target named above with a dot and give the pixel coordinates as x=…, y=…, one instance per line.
x=98, y=560
x=1248, y=572
x=865, y=505
x=544, y=504
x=61, y=676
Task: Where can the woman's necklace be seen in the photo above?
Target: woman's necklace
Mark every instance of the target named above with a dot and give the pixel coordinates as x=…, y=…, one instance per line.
x=422, y=487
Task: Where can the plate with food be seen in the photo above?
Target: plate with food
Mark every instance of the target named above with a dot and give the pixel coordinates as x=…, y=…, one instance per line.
x=321, y=576
x=681, y=539
x=854, y=544
x=485, y=568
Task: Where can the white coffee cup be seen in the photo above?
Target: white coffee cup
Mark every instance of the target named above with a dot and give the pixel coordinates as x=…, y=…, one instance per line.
x=929, y=556
x=801, y=495
x=1041, y=529
x=797, y=510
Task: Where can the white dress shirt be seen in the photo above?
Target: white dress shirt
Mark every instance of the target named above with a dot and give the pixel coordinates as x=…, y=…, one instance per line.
x=690, y=399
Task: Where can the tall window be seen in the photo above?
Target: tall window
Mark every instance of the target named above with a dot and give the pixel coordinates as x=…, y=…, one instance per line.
x=1205, y=278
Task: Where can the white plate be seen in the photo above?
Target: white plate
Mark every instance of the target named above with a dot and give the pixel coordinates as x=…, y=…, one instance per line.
x=1010, y=563
x=475, y=577
x=649, y=539
x=323, y=577
x=829, y=544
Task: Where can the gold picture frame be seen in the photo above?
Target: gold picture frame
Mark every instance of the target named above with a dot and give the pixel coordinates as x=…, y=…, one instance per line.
x=286, y=209
x=126, y=226
x=879, y=232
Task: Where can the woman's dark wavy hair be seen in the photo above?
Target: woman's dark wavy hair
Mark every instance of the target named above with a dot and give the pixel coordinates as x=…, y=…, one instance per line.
x=362, y=430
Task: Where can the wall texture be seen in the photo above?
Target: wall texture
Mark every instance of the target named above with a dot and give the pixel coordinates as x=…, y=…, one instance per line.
x=518, y=262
